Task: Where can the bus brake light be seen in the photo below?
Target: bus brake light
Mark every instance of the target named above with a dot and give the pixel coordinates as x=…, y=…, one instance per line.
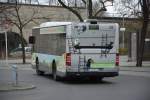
x=117, y=59
x=68, y=59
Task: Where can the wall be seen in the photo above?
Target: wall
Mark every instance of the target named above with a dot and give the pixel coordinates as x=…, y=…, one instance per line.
x=44, y=14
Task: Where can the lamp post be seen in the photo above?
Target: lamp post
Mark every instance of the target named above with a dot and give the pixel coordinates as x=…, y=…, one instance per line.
x=3, y=29
x=6, y=43
x=123, y=35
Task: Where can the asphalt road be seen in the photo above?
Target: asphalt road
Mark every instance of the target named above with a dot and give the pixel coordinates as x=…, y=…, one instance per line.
x=123, y=87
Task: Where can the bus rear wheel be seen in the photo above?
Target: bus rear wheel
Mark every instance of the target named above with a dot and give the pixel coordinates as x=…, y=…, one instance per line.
x=54, y=72
x=38, y=72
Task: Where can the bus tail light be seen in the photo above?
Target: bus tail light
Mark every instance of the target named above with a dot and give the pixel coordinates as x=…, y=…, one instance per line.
x=117, y=59
x=68, y=59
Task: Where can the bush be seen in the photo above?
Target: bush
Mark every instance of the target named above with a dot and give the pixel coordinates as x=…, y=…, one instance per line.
x=123, y=51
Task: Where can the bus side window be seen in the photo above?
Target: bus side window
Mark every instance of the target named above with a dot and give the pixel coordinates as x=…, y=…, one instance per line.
x=32, y=40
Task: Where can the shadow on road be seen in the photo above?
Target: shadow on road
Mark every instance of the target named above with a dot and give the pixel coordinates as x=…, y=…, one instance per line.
x=86, y=81
x=79, y=81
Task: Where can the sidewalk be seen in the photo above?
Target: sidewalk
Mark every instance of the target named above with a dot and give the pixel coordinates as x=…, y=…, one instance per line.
x=6, y=83
x=125, y=65
x=14, y=61
x=17, y=62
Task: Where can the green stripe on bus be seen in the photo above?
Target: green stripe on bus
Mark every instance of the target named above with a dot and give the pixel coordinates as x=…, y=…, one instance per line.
x=102, y=65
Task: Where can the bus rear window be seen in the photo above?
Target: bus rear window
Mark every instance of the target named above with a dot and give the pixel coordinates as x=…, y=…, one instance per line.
x=93, y=27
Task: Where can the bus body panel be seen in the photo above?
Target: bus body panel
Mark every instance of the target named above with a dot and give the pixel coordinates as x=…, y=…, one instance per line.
x=98, y=43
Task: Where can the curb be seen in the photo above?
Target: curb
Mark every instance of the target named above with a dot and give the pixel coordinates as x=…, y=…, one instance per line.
x=4, y=87
x=135, y=69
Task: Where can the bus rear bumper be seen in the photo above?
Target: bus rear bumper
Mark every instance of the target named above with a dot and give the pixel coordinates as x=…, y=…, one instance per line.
x=93, y=74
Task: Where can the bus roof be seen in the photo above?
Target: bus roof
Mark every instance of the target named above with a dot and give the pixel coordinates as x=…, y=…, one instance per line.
x=56, y=23
x=49, y=24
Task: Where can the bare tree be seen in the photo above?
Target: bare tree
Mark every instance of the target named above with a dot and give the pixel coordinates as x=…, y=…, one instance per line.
x=92, y=10
x=130, y=8
x=145, y=6
x=141, y=10
x=20, y=21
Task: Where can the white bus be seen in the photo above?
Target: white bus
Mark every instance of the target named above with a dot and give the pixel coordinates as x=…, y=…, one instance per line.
x=76, y=49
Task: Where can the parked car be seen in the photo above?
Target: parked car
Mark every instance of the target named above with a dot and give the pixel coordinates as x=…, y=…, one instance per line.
x=18, y=52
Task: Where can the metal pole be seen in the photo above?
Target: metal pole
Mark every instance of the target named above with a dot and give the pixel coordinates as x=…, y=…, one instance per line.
x=129, y=46
x=15, y=74
x=6, y=45
x=123, y=36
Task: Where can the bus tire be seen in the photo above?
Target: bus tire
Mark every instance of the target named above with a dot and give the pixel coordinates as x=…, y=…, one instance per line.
x=54, y=72
x=38, y=72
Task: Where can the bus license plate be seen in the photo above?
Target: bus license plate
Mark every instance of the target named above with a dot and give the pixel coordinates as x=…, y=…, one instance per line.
x=94, y=70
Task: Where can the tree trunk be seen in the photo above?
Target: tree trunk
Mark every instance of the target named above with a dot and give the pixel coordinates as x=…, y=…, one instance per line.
x=145, y=11
x=142, y=42
x=90, y=11
x=23, y=47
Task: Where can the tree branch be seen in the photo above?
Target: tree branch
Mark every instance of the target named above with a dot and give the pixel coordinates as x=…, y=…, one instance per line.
x=103, y=8
x=84, y=2
x=29, y=20
x=18, y=15
x=72, y=10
